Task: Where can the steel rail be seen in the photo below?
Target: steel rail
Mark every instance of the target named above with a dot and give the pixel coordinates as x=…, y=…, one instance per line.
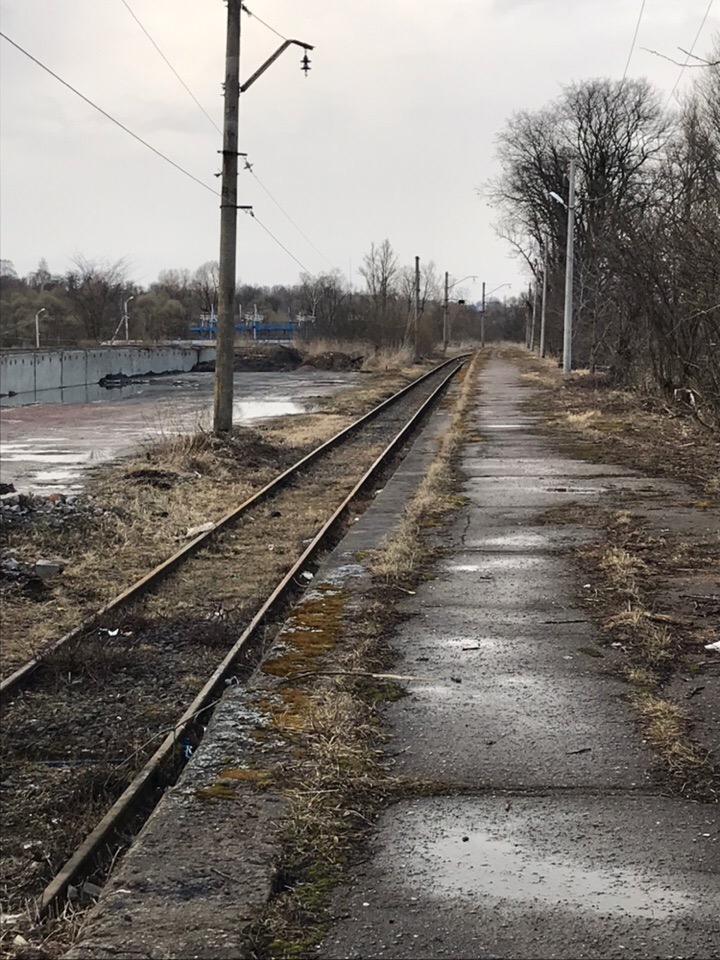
x=15, y=679
x=132, y=797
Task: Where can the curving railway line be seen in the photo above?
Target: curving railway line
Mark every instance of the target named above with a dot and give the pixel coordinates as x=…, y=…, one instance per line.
x=96, y=727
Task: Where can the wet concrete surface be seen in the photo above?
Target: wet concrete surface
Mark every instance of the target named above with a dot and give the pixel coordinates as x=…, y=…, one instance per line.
x=48, y=447
x=554, y=838
x=550, y=835
x=543, y=876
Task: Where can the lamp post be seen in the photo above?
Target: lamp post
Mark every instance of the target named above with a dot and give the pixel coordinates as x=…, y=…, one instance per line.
x=448, y=288
x=569, y=264
x=544, y=297
x=126, y=317
x=482, y=312
x=37, y=327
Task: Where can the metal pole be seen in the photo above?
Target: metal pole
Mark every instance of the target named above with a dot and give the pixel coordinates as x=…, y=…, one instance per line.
x=534, y=315
x=482, y=318
x=37, y=327
x=417, y=305
x=224, y=344
x=567, y=323
x=544, y=300
x=445, y=314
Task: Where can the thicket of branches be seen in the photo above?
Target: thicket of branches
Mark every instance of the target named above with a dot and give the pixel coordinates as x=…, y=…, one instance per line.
x=647, y=242
x=85, y=304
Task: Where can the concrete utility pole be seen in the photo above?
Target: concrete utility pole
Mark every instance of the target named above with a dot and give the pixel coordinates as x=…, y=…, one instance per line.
x=482, y=318
x=544, y=299
x=534, y=315
x=225, y=339
x=37, y=327
x=569, y=263
x=417, y=306
x=445, y=313
x=126, y=318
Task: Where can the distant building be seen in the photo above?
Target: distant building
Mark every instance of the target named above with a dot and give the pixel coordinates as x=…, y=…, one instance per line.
x=254, y=326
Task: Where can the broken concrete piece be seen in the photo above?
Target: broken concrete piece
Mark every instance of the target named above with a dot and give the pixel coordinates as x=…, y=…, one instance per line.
x=48, y=568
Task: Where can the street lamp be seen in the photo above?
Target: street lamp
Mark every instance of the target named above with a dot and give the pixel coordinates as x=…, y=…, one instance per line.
x=482, y=313
x=569, y=263
x=37, y=327
x=126, y=317
x=448, y=288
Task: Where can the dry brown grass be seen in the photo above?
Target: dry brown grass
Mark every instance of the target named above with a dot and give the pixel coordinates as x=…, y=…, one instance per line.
x=668, y=726
x=374, y=359
x=406, y=551
x=144, y=505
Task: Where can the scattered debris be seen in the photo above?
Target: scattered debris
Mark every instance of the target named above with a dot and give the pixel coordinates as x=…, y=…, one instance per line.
x=193, y=532
x=45, y=569
x=713, y=646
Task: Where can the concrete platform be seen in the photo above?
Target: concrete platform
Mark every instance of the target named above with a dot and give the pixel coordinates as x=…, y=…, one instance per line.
x=553, y=838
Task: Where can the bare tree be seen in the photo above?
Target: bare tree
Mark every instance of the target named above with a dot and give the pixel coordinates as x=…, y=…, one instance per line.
x=95, y=288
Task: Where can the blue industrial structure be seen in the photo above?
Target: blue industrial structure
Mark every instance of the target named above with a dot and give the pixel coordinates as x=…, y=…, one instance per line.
x=253, y=326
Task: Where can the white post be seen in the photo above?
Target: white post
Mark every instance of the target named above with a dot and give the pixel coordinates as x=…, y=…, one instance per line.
x=544, y=300
x=37, y=327
x=567, y=323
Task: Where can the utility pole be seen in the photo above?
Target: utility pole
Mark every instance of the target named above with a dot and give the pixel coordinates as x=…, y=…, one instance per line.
x=534, y=315
x=126, y=318
x=544, y=299
x=445, y=314
x=569, y=263
x=482, y=318
x=417, y=306
x=37, y=327
x=225, y=340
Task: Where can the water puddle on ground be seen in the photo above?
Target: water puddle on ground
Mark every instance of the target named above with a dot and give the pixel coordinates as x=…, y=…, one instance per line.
x=476, y=865
x=263, y=409
x=517, y=541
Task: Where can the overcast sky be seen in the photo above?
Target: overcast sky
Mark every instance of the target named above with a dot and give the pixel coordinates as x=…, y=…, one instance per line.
x=390, y=135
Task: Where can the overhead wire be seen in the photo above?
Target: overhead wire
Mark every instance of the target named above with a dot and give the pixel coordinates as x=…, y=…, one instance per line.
x=112, y=119
x=152, y=41
x=271, y=29
x=634, y=39
x=249, y=168
x=278, y=242
x=690, y=53
x=207, y=115
x=159, y=153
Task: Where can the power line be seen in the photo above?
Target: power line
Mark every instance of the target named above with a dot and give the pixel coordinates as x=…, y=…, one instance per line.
x=282, y=245
x=249, y=168
x=271, y=29
x=690, y=53
x=109, y=117
x=149, y=146
x=634, y=39
x=147, y=34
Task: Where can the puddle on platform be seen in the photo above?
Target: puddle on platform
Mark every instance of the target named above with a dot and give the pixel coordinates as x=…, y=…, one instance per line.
x=476, y=865
x=474, y=643
x=488, y=565
x=517, y=541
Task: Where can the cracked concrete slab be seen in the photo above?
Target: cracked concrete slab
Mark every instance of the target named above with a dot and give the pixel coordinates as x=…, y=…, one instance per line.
x=551, y=875
x=562, y=844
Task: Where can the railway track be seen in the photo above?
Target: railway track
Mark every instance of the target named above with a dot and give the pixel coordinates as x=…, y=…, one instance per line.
x=95, y=728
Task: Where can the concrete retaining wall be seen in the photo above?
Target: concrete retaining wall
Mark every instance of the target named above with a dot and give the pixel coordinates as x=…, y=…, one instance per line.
x=25, y=371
